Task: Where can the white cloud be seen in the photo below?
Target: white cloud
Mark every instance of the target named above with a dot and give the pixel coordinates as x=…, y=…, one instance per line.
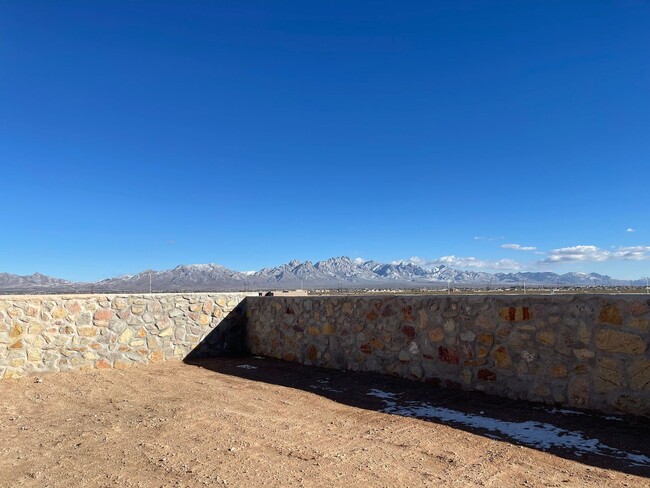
x=630, y=229
x=483, y=238
x=594, y=253
x=359, y=260
x=518, y=247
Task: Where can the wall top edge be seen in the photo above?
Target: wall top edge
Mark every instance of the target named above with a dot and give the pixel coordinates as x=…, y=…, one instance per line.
x=567, y=296
x=119, y=295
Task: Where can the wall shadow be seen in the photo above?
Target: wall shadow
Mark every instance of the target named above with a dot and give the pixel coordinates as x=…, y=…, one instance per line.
x=605, y=441
x=227, y=338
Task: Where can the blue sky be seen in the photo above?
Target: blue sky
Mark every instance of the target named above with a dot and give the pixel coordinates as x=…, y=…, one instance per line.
x=139, y=135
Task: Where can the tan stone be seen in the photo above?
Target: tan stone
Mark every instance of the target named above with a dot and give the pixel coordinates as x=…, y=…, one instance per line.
x=639, y=308
x=436, y=335
x=609, y=375
x=87, y=331
x=615, y=341
x=583, y=353
x=122, y=365
x=328, y=329
x=16, y=331
x=578, y=392
x=377, y=344
x=168, y=332
x=34, y=354
x=313, y=331
x=204, y=319
x=137, y=309
x=125, y=336
x=59, y=313
x=156, y=356
x=640, y=324
x=546, y=337
x=13, y=375
x=502, y=358
x=610, y=314
x=17, y=363
x=137, y=343
x=17, y=345
x=90, y=356
x=584, y=334
x=14, y=312
x=120, y=303
x=467, y=376
x=639, y=375
x=483, y=351
x=486, y=339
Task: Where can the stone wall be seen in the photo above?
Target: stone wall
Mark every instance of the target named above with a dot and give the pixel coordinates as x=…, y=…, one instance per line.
x=40, y=334
x=584, y=351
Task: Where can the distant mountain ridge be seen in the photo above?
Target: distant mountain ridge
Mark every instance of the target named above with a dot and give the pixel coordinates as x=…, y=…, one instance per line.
x=333, y=273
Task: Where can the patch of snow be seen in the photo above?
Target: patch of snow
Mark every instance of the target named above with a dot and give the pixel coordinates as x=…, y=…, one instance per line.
x=384, y=395
x=534, y=434
x=246, y=366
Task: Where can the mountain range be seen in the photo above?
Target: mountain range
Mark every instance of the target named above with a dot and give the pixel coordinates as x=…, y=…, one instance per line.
x=334, y=273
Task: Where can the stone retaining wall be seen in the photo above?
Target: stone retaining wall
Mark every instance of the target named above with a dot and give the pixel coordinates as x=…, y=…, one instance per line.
x=40, y=334
x=582, y=351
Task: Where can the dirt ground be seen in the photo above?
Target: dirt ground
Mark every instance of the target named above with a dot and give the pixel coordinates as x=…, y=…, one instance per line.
x=250, y=421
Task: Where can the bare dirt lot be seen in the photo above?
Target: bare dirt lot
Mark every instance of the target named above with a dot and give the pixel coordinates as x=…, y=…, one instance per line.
x=255, y=421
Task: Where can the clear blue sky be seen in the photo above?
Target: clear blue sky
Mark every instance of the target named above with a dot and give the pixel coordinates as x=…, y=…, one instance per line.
x=140, y=135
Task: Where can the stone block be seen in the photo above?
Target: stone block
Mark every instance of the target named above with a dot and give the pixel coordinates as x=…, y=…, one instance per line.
x=610, y=314
x=609, y=375
x=623, y=342
x=502, y=358
x=639, y=375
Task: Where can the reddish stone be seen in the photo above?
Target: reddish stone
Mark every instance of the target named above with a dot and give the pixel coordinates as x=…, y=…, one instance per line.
x=427, y=356
x=298, y=328
x=448, y=355
x=366, y=348
x=515, y=314
x=289, y=311
x=288, y=357
x=371, y=316
x=102, y=364
x=312, y=353
x=377, y=305
x=409, y=331
x=407, y=313
x=486, y=375
x=103, y=314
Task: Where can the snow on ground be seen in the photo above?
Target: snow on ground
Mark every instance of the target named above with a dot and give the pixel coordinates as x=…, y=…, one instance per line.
x=534, y=434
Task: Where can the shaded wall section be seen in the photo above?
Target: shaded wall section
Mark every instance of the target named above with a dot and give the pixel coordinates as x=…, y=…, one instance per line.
x=41, y=334
x=585, y=351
